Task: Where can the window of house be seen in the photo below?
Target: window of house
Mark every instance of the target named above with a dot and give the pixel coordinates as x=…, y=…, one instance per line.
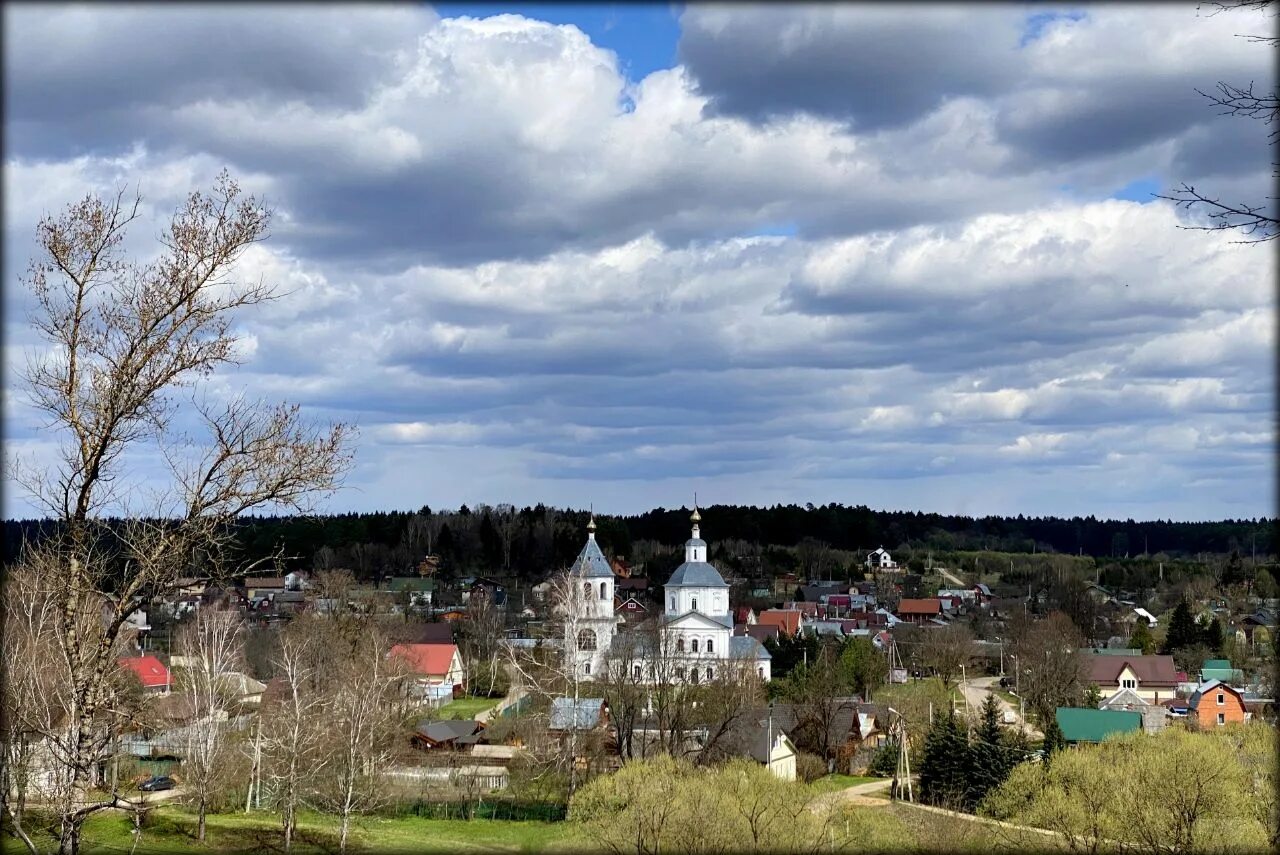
x=586, y=640
x=604, y=591
x=711, y=645
x=1129, y=683
x=693, y=645
x=680, y=645
x=1222, y=699
x=1222, y=718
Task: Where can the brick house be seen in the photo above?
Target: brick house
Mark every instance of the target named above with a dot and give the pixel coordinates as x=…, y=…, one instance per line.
x=1215, y=704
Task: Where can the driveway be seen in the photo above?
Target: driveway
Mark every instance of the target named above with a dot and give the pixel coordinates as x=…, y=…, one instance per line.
x=859, y=794
x=976, y=691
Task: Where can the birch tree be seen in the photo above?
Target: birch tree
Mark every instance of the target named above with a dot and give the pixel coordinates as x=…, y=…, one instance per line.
x=125, y=342
x=212, y=646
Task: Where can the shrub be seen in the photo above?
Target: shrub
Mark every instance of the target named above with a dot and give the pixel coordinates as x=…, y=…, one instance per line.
x=810, y=767
x=885, y=761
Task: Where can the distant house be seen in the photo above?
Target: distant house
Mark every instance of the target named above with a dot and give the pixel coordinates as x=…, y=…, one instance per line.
x=433, y=664
x=1143, y=614
x=759, y=631
x=150, y=671
x=808, y=609
x=1215, y=704
x=787, y=621
x=1150, y=677
x=591, y=713
x=880, y=559
x=419, y=590
x=919, y=611
x=1177, y=707
x=763, y=739
x=259, y=587
x=630, y=608
x=744, y=614
x=1154, y=716
x=1220, y=669
x=1090, y=725
x=459, y=735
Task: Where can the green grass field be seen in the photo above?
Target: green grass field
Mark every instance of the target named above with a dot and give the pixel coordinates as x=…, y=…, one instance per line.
x=467, y=707
x=173, y=829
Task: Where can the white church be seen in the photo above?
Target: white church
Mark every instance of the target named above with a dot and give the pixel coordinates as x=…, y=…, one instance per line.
x=696, y=627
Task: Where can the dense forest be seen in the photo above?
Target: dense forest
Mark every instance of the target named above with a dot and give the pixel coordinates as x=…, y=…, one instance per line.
x=529, y=542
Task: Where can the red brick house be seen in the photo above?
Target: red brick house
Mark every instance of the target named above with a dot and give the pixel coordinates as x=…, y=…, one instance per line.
x=1215, y=704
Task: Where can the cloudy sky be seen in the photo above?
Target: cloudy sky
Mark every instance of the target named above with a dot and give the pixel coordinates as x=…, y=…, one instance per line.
x=902, y=256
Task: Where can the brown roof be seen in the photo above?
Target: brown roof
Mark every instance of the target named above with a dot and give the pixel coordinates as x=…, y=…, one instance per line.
x=786, y=620
x=930, y=606
x=1153, y=670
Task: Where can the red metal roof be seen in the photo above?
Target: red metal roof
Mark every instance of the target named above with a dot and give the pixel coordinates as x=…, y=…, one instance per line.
x=429, y=660
x=150, y=670
x=786, y=620
x=930, y=606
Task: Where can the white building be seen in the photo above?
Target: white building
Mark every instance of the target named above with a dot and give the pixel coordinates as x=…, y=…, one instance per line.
x=696, y=626
x=880, y=559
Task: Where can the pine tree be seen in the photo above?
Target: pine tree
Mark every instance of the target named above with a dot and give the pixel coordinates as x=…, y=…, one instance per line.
x=1183, y=631
x=1211, y=636
x=1054, y=741
x=1141, y=639
x=946, y=766
x=991, y=757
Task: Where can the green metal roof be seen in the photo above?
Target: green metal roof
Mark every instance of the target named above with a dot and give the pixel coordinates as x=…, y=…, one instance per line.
x=1090, y=725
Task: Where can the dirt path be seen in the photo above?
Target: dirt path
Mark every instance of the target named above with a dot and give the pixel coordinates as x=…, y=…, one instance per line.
x=976, y=691
x=952, y=578
x=859, y=794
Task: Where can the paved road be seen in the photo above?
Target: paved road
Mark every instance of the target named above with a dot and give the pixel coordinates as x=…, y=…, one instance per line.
x=858, y=794
x=976, y=691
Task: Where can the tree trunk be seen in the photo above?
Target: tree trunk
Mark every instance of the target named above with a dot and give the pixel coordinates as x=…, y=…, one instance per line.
x=69, y=839
x=342, y=836
x=200, y=823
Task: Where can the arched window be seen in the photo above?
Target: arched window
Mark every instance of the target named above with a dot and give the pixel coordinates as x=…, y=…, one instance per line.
x=711, y=675
x=679, y=645
x=695, y=604
x=673, y=604
x=586, y=669
x=586, y=640
x=711, y=645
x=694, y=645
x=693, y=675
x=586, y=589
x=604, y=595
x=679, y=673
x=761, y=670
x=635, y=672
x=652, y=673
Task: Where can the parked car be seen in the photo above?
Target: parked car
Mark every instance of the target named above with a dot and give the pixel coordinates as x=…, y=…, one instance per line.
x=156, y=783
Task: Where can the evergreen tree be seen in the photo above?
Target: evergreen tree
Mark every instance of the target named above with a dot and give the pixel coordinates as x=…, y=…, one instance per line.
x=1054, y=741
x=1141, y=639
x=1092, y=696
x=1183, y=631
x=946, y=767
x=991, y=757
x=1211, y=636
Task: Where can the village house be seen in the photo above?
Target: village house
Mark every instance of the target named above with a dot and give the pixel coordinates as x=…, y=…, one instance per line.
x=1215, y=704
x=919, y=611
x=1090, y=725
x=786, y=621
x=879, y=559
x=1152, y=678
x=452, y=735
x=150, y=671
x=1154, y=716
x=757, y=735
x=437, y=667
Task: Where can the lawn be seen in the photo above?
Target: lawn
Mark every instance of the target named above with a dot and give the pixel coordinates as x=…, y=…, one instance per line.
x=172, y=829
x=467, y=707
x=831, y=783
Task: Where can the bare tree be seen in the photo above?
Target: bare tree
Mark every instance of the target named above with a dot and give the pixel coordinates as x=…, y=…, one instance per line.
x=1052, y=669
x=122, y=338
x=212, y=646
x=291, y=744
x=1256, y=221
x=363, y=718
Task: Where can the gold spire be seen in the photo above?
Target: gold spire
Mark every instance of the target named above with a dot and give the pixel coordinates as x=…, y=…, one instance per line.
x=695, y=516
x=591, y=525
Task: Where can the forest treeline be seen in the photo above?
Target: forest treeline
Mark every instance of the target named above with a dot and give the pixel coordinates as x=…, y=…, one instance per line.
x=528, y=542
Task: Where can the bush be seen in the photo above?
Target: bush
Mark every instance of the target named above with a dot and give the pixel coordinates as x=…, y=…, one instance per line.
x=885, y=761
x=810, y=767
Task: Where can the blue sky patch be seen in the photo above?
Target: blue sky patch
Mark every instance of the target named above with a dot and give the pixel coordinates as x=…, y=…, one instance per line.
x=1139, y=190
x=643, y=35
x=1037, y=22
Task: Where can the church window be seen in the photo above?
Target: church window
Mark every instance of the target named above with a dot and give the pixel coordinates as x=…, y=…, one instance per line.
x=761, y=670
x=586, y=669
x=695, y=604
x=679, y=673
x=693, y=675
x=604, y=591
x=586, y=590
x=694, y=645
x=673, y=604
x=586, y=640
x=635, y=672
x=711, y=675
x=680, y=645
